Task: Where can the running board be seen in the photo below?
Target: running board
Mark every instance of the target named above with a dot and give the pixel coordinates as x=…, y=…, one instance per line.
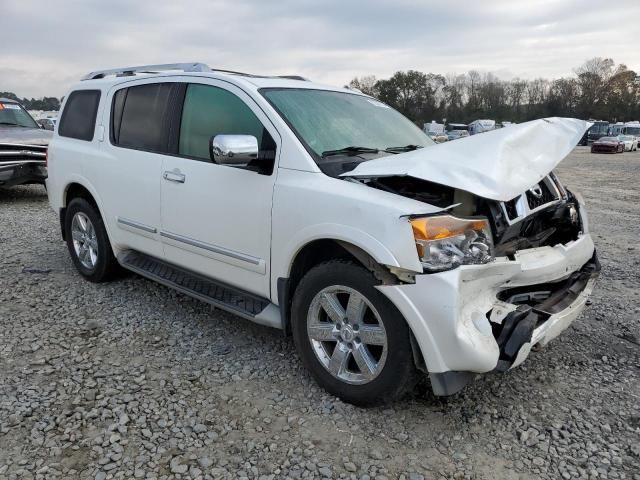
x=246, y=305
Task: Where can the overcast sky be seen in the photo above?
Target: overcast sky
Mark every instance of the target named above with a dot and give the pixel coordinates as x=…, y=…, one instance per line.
x=46, y=45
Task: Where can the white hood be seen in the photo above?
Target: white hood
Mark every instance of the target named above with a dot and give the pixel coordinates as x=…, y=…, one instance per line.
x=499, y=165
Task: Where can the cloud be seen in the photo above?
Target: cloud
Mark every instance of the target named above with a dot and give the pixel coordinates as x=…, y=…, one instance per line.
x=47, y=45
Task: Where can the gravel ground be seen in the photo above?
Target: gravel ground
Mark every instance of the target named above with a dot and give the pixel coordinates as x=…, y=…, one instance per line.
x=132, y=380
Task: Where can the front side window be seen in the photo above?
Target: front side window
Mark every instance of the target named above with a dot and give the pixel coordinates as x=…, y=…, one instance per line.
x=140, y=117
x=209, y=111
x=79, y=115
x=328, y=121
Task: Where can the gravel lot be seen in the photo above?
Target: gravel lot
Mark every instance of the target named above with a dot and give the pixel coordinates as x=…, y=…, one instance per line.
x=132, y=380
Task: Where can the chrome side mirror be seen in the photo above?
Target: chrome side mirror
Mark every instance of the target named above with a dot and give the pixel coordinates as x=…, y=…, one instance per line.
x=233, y=149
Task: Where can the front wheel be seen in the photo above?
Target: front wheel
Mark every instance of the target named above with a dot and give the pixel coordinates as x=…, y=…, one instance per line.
x=352, y=339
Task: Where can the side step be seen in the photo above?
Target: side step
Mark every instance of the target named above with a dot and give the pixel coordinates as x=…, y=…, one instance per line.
x=225, y=297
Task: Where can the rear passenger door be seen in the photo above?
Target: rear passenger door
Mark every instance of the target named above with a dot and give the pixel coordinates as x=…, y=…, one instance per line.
x=136, y=143
x=216, y=219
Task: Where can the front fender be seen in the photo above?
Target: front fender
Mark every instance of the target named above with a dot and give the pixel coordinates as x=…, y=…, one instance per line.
x=331, y=231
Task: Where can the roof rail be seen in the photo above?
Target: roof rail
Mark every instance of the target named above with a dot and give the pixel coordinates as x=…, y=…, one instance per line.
x=293, y=77
x=126, y=71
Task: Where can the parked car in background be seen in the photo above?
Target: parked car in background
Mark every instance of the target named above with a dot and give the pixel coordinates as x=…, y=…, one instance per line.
x=457, y=134
x=608, y=145
x=23, y=146
x=325, y=213
x=47, y=123
x=456, y=126
x=630, y=142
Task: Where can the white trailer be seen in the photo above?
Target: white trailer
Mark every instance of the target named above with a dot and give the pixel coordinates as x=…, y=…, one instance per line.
x=433, y=127
x=481, y=126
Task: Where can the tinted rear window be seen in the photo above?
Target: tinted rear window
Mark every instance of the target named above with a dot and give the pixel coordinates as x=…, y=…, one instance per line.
x=140, y=117
x=79, y=115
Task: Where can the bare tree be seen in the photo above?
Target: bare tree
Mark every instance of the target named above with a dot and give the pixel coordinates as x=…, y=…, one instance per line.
x=599, y=89
x=366, y=85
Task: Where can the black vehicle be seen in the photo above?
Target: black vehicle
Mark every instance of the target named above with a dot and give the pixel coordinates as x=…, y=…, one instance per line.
x=23, y=146
x=598, y=130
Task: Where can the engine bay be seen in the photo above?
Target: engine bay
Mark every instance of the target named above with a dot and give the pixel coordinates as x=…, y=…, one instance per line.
x=547, y=214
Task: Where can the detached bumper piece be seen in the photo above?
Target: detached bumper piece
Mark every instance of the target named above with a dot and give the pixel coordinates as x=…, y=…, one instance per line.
x=21, y=173
x=542, y=312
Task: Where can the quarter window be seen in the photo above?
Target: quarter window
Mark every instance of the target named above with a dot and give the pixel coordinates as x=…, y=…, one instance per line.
x=79, y=115
x=209, y=111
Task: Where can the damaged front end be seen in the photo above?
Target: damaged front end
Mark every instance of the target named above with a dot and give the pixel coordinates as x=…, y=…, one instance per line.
x=541, y=312
x=482, y=318
x=22, y=164
x=546, y=214
x=484, y=314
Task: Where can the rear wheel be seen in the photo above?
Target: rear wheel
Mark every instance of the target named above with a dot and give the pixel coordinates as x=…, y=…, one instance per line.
x=88, y=242
x=350, y=336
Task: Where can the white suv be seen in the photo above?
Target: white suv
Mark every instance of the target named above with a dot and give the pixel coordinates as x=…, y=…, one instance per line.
x=327, y=214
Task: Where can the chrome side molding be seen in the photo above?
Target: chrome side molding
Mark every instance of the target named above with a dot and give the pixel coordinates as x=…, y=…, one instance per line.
x=140, y=226
x=212, y=248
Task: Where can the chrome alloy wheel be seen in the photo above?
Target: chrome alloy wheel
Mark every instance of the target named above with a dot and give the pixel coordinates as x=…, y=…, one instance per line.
x=85, y=240
x=347, y=334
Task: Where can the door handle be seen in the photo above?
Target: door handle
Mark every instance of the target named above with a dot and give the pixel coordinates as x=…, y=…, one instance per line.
x=174, y=176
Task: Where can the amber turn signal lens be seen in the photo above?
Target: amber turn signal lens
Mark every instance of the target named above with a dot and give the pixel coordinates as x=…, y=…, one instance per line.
x=438, y=228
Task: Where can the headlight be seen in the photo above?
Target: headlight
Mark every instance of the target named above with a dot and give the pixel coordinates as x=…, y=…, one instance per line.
x=446, y=242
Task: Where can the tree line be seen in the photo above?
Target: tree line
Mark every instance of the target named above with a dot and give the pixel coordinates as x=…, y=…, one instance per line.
x=44, y=103
x=599, y=89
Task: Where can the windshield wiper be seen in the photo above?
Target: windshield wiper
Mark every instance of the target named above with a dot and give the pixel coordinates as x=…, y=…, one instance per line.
x=349, y=151
x=406, y=148
x=9, y=123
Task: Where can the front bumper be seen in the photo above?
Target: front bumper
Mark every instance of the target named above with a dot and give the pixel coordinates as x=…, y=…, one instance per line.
x=603, y=149
x=485, y=318
x=20, y=173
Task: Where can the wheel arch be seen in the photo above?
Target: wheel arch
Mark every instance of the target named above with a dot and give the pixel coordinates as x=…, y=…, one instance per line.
x=77, y=189
x=313, y=253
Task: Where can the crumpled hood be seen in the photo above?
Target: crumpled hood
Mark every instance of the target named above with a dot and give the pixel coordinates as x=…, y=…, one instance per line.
x=24, y=136
x=499, y=165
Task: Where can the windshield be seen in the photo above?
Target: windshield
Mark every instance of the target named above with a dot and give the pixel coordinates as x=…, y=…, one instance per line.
x=14, y=114
x=632, y=131
x=327, y=121
x=599, y=128
x=609, y=139
x=626, y=137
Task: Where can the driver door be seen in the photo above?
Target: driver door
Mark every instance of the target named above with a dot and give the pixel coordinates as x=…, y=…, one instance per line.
x=216, y=219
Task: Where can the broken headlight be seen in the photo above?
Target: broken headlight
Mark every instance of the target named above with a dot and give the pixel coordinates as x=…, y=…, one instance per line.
x=446, y=242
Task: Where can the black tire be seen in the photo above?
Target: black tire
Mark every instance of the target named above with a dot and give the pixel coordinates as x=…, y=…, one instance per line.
x=398, y=374
x=106, y=265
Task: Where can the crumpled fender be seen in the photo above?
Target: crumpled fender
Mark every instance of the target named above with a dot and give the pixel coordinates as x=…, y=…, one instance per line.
x=499, y=165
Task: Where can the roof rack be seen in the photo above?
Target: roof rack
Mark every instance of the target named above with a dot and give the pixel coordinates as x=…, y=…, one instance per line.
x=127, y=71
x=181, y=67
